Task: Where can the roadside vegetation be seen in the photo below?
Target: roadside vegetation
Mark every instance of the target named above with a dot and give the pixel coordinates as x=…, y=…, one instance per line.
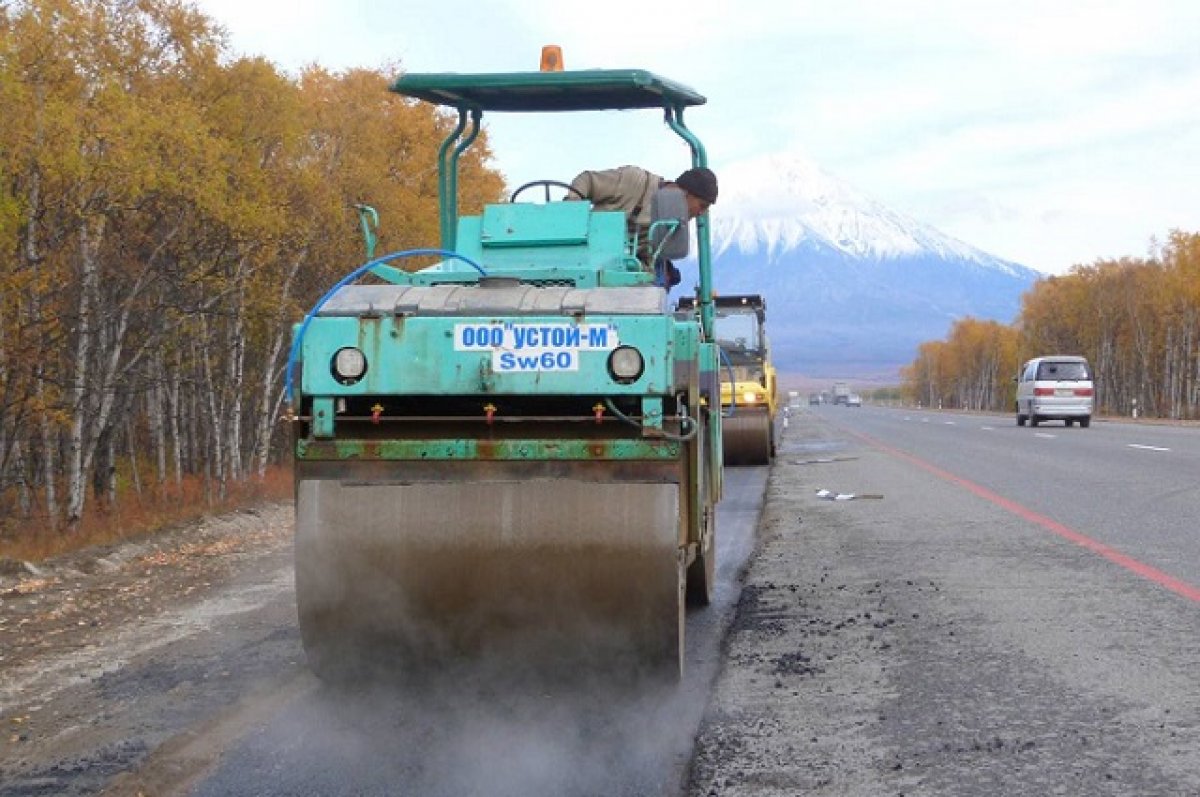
x=1137, y=320
x=167, y=212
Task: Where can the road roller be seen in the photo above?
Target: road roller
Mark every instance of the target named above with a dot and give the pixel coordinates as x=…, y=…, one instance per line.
x=748, y=381
x=515, y=451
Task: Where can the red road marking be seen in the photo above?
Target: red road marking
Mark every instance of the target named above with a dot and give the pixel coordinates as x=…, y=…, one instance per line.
x=1066, y=532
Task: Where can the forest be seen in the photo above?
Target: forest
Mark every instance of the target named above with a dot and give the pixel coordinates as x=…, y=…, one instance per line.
x=167, y=212
x=1137, y=320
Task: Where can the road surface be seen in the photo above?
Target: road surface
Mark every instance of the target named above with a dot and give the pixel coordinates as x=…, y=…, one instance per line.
x=989, y=610
x=938, y=604
x=174, y=667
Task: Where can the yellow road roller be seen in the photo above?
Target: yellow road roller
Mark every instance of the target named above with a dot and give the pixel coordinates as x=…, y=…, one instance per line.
x=748, y=379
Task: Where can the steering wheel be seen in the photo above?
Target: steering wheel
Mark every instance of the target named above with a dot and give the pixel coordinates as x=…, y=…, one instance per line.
x=547, y=184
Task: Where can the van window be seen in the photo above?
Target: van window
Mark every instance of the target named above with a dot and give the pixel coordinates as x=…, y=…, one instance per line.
x=1068, y=371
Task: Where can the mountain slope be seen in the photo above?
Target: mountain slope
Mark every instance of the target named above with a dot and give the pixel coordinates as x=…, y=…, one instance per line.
x=852, y=287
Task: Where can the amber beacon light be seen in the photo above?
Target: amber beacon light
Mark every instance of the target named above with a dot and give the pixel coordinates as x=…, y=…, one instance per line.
x=552, y=58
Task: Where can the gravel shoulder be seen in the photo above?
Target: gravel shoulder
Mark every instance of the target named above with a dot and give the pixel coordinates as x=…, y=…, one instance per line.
x=927, y=643
x=104, y=656
x=72, y=602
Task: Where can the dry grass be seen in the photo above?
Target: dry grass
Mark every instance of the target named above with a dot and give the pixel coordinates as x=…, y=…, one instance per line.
x=33, y=539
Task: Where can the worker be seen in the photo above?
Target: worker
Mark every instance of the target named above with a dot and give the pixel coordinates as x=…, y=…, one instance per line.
x=631, y=188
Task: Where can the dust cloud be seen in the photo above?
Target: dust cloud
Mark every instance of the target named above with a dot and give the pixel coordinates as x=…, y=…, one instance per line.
x=475, y=728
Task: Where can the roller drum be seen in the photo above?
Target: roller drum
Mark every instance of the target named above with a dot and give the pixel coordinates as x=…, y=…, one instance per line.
x=746, y=437
x=399, y=575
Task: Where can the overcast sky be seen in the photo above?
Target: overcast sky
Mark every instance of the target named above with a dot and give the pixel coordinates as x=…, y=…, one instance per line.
x=1048, y=132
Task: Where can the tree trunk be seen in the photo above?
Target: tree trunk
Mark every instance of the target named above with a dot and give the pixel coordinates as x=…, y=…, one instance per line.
x=20, y=469
x=132, y=449
x=174, y=411
x=237, y=370
x=91, y=232
x=49, y=462
x=104, y=468
x=155, y=401
x=273, y=376
x=215, y=406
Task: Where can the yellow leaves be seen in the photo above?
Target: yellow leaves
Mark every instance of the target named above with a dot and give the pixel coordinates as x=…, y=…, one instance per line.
x=1137, y=321
x=175, y=556
x=224, y=192
x=31, y=586
x=971, y=369
x=132, y=105
x=1181, y=262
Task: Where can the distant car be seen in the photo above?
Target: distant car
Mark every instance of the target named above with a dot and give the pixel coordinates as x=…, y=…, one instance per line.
x=814, y=399
x=1057, y=388
x=854, y=400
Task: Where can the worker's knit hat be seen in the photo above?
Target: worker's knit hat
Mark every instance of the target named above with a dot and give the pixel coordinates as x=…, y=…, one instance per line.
x=699, y=182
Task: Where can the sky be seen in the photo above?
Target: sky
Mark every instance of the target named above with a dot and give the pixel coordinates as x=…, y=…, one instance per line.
x=1047, y=132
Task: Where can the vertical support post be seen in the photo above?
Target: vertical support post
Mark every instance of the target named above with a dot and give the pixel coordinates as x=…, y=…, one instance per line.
x=448, y=174
x=708, y=321
x=674, y=119
x=447, y=185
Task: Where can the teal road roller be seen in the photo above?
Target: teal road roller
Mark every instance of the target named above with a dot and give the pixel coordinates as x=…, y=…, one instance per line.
x=518, y=448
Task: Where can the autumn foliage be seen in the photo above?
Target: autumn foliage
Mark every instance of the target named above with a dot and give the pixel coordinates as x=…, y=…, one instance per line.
x=1136, y=320
x=969, y=370
x=167, y=212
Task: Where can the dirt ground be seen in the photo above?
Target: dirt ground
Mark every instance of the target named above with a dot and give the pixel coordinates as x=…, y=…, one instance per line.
x=69, y=603
x=70, y=714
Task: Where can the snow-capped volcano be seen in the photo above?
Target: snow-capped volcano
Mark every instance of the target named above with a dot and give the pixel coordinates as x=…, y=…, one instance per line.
x=780, y=203
x=852, y=286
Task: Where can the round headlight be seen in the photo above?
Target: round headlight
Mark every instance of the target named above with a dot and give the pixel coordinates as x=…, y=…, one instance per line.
x=625, y=364
x=749, y=396
x=349, y=365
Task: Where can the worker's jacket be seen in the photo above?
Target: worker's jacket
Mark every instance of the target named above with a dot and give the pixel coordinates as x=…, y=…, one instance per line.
x=628, y=189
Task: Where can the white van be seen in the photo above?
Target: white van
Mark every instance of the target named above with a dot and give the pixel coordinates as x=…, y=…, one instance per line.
x=1057, y=388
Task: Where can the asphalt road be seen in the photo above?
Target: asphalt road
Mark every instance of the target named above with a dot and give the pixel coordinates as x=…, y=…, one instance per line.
x=198, y=686
x=1132, y=486
x=988, y=610
x=471, y=732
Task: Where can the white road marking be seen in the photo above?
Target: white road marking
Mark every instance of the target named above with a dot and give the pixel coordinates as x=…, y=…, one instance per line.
x=1148, y=448
x=988, y=428
x=1043, y=434
x=950, y=423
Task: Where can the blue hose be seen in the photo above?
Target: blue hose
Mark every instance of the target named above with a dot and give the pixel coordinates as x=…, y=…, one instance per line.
x=355, y=274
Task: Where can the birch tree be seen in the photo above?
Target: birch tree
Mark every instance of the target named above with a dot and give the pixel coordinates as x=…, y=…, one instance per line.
x=165, y=217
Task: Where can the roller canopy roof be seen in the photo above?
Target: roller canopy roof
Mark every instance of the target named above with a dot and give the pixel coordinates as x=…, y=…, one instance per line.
x=581, y=90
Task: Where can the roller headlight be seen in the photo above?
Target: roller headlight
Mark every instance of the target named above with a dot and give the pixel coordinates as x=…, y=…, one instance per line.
x=625, y=364
x=749, y=396
x=349, y=365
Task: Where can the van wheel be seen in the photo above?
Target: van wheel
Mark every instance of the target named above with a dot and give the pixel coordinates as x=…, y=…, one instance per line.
x=1085, y=421
x=1068, y=422
x=1033, y=419
x=1020, y=419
